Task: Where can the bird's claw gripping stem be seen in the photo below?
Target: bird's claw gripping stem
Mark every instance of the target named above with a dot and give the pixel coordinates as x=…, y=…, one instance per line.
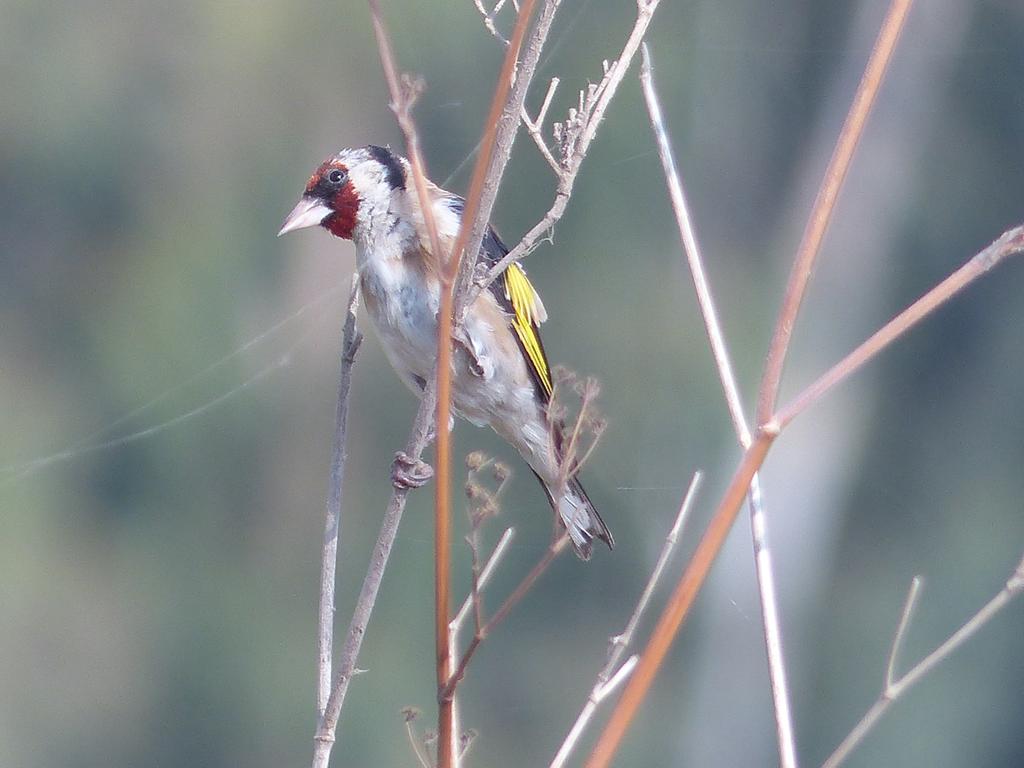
x=407, y=473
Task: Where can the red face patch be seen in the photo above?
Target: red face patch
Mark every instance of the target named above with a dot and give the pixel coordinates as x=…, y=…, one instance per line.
x=345, y=205
x=331, y=184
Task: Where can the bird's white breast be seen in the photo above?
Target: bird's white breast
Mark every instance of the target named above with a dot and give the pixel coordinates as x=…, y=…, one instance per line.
x=403, y=307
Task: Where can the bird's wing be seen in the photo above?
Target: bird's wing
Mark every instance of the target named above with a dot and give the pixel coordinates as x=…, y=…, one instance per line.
x=517, y=298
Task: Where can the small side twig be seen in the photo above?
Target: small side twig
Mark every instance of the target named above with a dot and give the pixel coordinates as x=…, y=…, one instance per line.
x=901, y=630
x=758, y=520
x=574, y=136
x=418, y=749
x=351, y=339
x=497, y=144
x=894, y=686
x=485, y=576
x=488, y=19
x=403, y=96
x=609, y=678
x=554, y=549
x=535, y=128
x=824, y=204
x=483, y=505
x=1010, y=243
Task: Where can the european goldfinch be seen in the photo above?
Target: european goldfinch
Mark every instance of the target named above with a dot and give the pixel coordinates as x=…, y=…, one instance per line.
x=500, y=372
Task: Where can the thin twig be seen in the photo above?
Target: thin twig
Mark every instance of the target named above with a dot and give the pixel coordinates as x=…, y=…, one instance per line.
x=681, y=600
x=414, y=742
x=483, y=505
x=485, y=576
x=691, y=250
x=325, y=733
x=488, y=17
x=772, y=625
x=609, y=678
x=1010, y=243
x=473, y=600
x=536, y=126
x=351, y=339
x=556, y=547
x=569, y=463
x=505, y=126
x=824, y=204
x=622, y=641
x=719, y=350
x=403, y=96
x=901, y=631
x=587, y=120
x=546, y=104
x=894, y=688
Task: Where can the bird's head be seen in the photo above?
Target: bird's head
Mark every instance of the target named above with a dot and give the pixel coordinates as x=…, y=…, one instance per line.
x=349, y=192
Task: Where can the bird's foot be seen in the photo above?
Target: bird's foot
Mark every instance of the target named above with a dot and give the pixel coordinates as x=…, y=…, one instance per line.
x=407, y=472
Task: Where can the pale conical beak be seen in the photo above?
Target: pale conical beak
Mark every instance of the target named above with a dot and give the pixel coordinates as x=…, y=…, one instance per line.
x=309, y=212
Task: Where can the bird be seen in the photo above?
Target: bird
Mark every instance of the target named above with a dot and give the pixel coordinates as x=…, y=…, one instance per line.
x=501, y=376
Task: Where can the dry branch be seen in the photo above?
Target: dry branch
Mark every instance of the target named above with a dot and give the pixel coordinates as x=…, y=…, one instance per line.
x=719, y=350
x=351, y=339
x=324, y=738
x=609, y=678
x=1010, y=243
x=505, y=128
x=824, y=204
x=482, y=506
x=574, y=136
x=894, y=687
x=555, y=548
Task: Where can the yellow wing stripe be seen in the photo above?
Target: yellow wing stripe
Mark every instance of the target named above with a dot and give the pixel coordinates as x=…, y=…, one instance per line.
x=521, y=294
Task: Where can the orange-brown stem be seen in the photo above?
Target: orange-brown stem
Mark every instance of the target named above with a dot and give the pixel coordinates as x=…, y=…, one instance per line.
x=442, y=489
x=1009, y=244
x=679, y=603
x=824, y=204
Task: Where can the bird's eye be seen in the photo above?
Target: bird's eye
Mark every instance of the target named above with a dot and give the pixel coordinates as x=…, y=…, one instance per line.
x=336, y=176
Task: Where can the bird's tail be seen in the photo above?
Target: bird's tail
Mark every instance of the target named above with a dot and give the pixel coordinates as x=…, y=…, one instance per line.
x=579, y=516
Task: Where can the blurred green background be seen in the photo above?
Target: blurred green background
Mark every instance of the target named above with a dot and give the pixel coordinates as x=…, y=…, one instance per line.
x=158, y=597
